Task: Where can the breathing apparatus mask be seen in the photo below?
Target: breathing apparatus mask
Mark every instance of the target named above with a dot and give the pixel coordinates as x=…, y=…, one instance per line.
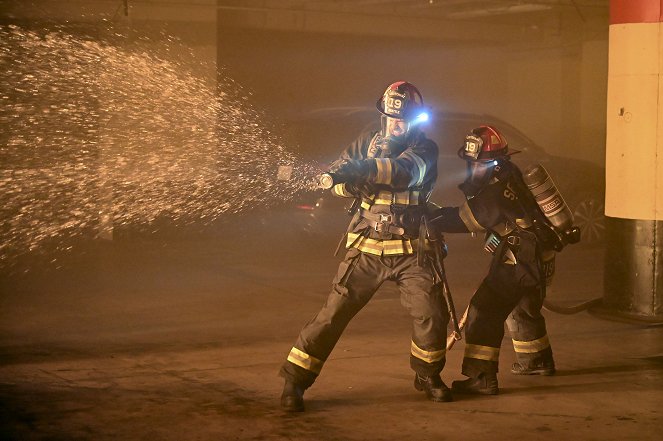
x=479, y=174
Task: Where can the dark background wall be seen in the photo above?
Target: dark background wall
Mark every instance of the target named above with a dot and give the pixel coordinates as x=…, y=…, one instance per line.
x=547, y=76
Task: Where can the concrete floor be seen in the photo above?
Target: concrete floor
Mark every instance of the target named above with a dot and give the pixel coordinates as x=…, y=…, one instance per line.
x=182, y=340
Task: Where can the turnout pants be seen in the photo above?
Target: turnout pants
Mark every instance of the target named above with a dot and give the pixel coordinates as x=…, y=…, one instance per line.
x=508, y=293
x=358, y=278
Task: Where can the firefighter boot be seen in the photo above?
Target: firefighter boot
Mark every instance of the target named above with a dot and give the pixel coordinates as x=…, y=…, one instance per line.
x=484, y=384
x=434, y=387
x=542, y=368
x=292, y=398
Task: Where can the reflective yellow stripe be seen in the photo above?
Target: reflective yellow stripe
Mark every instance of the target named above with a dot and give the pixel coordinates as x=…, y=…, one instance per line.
x=384, y=198
x=427, y=356
x=532, y=346
x=364, y=244
x=339, y=190
x=468, y=218
x=420, y=173
x=378, y=247
x=383, y=171
x=396, y=247
x=406, y=198
x=400, y=198
x=502, y=228
x=482, y=352
x=367, y=201
x=303, y=360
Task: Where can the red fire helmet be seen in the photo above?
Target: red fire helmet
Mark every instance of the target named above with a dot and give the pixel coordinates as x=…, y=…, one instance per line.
x=401, y=100
x=485, y=143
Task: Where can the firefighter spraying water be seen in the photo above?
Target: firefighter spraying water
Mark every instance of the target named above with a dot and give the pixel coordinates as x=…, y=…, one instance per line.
x=389, y=174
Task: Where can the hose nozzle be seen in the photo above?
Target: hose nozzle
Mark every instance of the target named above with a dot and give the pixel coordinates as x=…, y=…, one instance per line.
x=326, y=181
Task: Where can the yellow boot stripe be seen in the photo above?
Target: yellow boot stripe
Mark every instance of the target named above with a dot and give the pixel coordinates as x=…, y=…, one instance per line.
x=427, y=356
x=303, y=360
x=482, y=352
x=532, y=346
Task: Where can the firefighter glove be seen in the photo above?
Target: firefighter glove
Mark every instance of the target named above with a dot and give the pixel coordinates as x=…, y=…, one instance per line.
x=352, y=171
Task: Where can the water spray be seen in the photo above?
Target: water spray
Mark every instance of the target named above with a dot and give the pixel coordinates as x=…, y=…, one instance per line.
x=99, y=136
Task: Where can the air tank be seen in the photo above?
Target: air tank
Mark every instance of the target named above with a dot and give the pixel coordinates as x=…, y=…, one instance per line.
x=548, y=197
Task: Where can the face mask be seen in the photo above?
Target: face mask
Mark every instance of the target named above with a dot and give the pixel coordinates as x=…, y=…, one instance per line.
x=478, y=176
x=393, y=128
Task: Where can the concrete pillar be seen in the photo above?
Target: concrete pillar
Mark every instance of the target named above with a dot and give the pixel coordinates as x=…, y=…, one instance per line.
x=634, y=163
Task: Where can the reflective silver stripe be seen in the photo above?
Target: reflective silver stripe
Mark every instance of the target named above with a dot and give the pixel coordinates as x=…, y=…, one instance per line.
x=468, y=219
x=418, y=177
x=384, y=171
x=427, y=356
x=532, y=346
x=303, y=360
x=482, y=352
x=339, y=190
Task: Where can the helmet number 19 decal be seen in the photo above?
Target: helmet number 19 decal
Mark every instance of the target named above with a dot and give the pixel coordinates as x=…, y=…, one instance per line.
x=394, y=105
x=473, y=145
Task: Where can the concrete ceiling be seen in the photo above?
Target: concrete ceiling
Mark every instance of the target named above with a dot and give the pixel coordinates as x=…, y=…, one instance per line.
x=439, y=9
x=463, y=21
x=495, y=22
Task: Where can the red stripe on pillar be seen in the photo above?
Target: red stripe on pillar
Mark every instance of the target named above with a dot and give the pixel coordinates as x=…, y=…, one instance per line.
x=636, y=11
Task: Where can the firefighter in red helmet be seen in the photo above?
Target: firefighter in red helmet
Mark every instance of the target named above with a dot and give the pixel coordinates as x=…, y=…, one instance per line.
x=514, y=289
x=390, y=173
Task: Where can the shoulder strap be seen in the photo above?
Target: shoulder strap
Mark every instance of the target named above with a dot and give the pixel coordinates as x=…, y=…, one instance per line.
x=373, y=146
x=543, y=229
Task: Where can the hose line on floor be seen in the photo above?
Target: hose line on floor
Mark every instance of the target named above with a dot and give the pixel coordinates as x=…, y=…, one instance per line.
x=568, y=310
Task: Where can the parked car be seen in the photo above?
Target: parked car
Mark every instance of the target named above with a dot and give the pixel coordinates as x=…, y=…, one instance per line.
x=323, y=133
